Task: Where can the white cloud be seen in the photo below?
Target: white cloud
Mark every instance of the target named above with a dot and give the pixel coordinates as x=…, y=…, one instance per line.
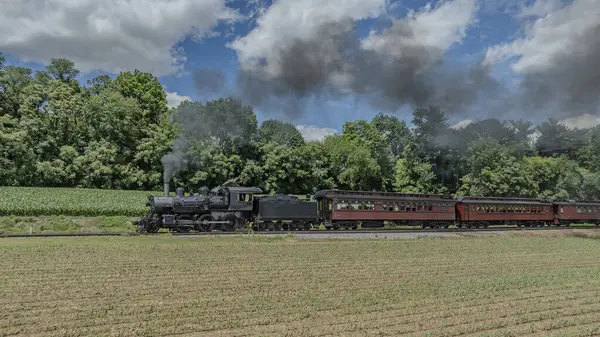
x=287, y=20
x=277, y=47
x=552, y=35
x=461, y=124
x=539, y=8
x=108, y=35
x=174, y=99
x=436, y=27
x=312, y=133
x=584, y=121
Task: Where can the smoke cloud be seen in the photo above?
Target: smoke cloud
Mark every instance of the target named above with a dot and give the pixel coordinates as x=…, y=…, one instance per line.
x=293, y=59
x=204, y=126
x=556, y=60
x=209, y=80
x=336, y=64
x=572, y=85
x=404, y=64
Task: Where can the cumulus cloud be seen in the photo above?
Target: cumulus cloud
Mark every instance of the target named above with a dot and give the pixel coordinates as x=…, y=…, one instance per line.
x=174, y=99
x=462, y=124
x=435, y=28
x=287, y=21
x=310, y=48
x=539, y=8
x=556, y=58
x=550, y=37
x=313, y=133
x=108, y=35
x=585, y=121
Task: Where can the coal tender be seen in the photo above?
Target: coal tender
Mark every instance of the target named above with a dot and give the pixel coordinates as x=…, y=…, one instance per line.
x=280, y=211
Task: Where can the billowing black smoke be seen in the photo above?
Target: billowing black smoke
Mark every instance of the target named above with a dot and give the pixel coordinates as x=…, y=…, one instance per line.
x=336, y=65
x=571, y=87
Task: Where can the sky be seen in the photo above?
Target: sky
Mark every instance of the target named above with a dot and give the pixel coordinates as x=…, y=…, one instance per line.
x=318, y=64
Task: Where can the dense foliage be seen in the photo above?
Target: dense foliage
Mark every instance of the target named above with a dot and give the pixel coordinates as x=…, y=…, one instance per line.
x=113, y=133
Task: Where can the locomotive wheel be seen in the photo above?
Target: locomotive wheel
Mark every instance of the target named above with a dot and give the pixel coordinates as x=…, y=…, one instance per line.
x=204, y=227
x=151, y=226
x=232, y=223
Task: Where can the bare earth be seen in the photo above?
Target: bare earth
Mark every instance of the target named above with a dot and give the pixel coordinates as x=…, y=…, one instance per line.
x=248, y=286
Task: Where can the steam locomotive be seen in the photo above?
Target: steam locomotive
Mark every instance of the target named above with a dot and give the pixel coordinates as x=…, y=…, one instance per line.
x=230, y=208
x=226, y=208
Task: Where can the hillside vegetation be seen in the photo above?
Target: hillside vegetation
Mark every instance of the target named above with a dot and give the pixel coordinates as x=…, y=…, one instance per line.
x=112, y=133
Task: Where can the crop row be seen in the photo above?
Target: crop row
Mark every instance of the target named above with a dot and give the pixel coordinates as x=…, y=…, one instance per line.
x=140, y=286
x=33, y=201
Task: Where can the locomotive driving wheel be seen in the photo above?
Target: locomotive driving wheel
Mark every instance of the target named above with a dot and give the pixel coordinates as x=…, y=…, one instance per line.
x=232, y=223
x=202, y=227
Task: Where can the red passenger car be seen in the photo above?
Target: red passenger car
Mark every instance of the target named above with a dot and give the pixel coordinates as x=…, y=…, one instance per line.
x=567, y=213
x=348, y=209
x=488, y=211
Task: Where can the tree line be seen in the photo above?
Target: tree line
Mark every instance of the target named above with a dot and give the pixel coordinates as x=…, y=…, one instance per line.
x=113, y=133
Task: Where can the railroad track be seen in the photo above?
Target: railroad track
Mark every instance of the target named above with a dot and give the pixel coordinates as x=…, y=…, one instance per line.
x=310, y=232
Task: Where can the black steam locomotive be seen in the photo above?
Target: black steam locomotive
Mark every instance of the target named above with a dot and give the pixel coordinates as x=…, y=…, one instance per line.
x=226, y=208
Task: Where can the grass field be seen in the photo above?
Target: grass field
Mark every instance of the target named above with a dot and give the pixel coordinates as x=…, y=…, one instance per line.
x=510, y=286
x=65, y=224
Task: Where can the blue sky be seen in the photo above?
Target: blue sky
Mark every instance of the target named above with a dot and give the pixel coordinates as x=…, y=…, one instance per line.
x=116, y=36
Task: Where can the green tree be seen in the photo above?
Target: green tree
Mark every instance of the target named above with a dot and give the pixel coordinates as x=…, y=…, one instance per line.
x=494, y=170
x=99, y=83
x=147, y=91
x=352, y=164
x=557, y=178
x=589, y=154
x=395, y=133
x=13, y=81
x=414, y=177
x=62, y=69
x=556, y=139
x=281, y=133
x=362, y=133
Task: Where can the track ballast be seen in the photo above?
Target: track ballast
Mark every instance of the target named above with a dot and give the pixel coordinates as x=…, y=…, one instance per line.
x=309, y=232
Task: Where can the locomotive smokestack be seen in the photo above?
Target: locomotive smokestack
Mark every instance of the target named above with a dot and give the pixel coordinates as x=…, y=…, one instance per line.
x=166, y=188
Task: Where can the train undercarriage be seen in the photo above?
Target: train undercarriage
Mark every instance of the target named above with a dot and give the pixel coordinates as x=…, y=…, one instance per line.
x=227, y=222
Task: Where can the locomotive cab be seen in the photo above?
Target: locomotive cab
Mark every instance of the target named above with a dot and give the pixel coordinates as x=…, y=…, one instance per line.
x=241, y=198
